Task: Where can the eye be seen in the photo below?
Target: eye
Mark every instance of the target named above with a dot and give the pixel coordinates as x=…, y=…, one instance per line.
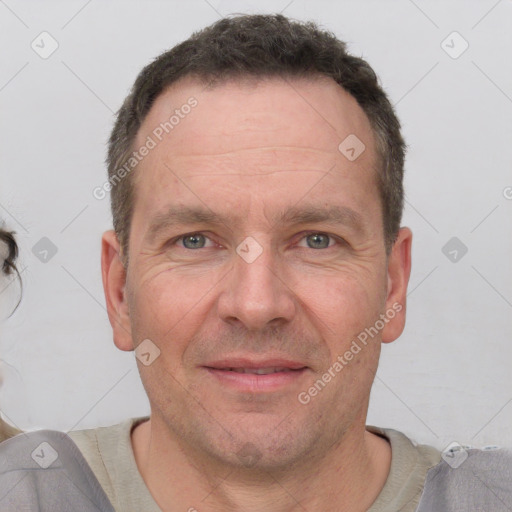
x=318, y=240
x=193, y=241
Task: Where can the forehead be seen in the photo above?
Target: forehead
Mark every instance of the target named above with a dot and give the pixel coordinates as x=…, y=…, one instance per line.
x=272, y=138
x=314, y=113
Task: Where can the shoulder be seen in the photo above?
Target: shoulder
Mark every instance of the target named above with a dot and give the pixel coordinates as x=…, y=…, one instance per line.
x=410, y=463
x=90, y=441
x=406, y=453
x=467, y=479
x=109, y=453
x=34, y=464
x=103, y=442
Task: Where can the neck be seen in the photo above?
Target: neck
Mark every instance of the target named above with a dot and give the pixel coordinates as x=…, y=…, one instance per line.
x=348, y=477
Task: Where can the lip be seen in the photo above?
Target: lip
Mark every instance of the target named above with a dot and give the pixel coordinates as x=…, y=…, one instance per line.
x=292, y=372
x=241, y=362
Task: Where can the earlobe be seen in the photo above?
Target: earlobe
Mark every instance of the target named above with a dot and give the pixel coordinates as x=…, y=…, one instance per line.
x=114, y=286
x=399, y=270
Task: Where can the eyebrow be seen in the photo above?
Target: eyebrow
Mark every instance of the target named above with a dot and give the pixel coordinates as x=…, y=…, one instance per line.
x=311, y=214
x=304, y=214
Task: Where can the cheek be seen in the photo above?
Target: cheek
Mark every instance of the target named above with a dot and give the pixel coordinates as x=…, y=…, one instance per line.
x=342, y=304
x=169, y=311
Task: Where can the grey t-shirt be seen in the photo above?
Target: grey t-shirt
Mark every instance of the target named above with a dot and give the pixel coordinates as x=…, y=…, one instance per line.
x=46, y=471
x=410, y=463
x=108, y=450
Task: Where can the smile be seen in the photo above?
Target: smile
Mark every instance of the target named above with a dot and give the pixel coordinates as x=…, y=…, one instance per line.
x=246, y=376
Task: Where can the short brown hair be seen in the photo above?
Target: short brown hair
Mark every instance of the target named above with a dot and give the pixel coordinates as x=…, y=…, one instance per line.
x=259, y=46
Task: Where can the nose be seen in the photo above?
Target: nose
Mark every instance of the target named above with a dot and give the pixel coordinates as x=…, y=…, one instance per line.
x=257, y=294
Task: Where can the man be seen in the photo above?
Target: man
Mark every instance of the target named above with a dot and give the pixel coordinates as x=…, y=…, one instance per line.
x=256, y=264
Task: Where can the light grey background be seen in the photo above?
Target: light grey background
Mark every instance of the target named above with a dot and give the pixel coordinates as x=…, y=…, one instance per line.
x=448, y=378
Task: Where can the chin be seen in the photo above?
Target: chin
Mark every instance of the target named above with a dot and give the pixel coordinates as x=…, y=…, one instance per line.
x=265, y=446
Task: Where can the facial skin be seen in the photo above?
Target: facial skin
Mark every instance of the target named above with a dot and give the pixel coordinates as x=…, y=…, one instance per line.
x=253, y=154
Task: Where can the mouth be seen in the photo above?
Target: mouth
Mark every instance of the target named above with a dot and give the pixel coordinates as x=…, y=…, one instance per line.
x=259, y=371
x=256, y=377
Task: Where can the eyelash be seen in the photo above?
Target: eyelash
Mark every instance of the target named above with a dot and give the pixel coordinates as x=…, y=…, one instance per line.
x=338, y=240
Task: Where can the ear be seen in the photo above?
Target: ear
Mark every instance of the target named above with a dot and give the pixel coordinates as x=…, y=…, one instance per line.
x=114, y=285
x=399, y=270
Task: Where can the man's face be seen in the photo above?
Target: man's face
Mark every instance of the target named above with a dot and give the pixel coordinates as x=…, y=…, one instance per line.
x=256, y=258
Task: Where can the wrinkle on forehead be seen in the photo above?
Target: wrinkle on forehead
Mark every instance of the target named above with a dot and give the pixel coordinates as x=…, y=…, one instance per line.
x=249, y=174
x=259, y=148
x=253, y=162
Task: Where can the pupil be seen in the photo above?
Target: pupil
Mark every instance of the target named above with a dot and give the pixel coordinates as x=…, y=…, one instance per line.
x=194, y=241
x=318, y=241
